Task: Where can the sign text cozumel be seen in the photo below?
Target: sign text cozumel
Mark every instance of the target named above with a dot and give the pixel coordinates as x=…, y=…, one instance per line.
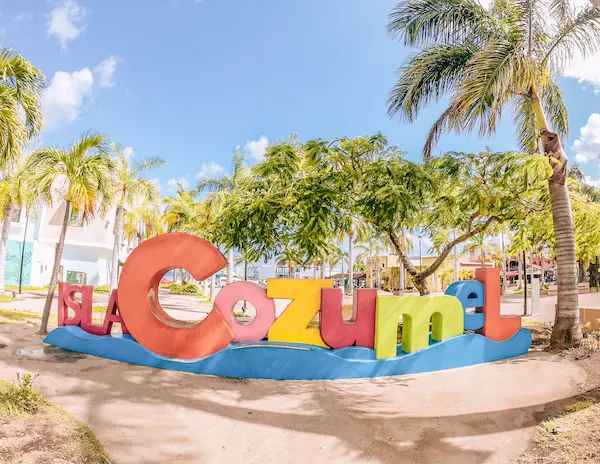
x=287, y=347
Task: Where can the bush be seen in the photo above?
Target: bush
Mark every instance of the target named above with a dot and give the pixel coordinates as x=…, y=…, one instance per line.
x=104, y=289
x=187, y=289
x=21, y=396
x=6, y=299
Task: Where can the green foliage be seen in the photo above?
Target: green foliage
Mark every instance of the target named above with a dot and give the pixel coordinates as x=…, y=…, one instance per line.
x=99, y=309
x=102, y=289
x=20, y=397
x=184, y=289
x=485, y=60
x=7, y=299
x=21, y=86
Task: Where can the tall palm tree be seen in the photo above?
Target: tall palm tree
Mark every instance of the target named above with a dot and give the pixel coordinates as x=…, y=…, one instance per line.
x=83, y=175
x=223, y=187
x=21, y=86
x=15, y=192
x=486, y=60
x=132, y=188
x=141, y=222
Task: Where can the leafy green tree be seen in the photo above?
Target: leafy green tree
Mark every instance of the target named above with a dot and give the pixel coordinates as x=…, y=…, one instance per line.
x=132, y=187
x=15, y=192
x=452, y=199
x=486, y=60
x=83, y=175
x=222, y=188
x=21, y=85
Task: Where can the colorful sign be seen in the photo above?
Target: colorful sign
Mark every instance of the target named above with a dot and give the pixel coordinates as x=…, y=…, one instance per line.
x=290, y=346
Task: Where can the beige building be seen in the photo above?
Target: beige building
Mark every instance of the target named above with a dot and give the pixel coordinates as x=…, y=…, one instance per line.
x=437, y=282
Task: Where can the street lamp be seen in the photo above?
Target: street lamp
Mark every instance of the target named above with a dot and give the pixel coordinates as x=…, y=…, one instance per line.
x=420, y=255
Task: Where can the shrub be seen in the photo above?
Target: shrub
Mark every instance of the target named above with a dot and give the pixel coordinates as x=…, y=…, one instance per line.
x=21, y=396
x=6, y=299
x=187, y=289
x=105, y=289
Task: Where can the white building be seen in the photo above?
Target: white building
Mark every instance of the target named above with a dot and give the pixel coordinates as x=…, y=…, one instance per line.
x=86, y=257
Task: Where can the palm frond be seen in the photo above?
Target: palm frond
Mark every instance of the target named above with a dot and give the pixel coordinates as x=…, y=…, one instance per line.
x=423, y=22
x=526, y=126
x=580, y=34
x=426, y=77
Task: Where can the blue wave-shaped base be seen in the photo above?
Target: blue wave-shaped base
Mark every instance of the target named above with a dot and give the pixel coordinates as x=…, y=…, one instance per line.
x=294, y=361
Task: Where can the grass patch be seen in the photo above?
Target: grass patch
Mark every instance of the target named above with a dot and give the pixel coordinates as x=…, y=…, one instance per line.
x=238, y=314
x=7, y=299
x=99, y=309
x=102, y=289
x=18, y=316
x=29, y=287
x=185, y=289
x=37, y=430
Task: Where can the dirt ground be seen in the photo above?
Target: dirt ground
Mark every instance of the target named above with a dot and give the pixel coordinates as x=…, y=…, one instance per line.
x=569, y=430
x=35, y=431
x=479, y=414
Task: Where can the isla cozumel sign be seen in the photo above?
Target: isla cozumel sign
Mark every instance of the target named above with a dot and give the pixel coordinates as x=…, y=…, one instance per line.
x=287, y=347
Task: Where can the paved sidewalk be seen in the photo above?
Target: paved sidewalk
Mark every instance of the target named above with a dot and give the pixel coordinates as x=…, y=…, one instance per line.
x=478, y=414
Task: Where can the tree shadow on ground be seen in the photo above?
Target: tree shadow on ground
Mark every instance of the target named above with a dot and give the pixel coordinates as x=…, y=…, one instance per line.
x=359, y=414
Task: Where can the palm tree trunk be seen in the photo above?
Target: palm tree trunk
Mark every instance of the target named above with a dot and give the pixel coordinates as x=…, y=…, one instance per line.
x=114, y=271
x=54, y=278
x=520, y=273
x=322, y=269
x=567, y=328
x=212, y=288
x=4, y=243
x=230, y=259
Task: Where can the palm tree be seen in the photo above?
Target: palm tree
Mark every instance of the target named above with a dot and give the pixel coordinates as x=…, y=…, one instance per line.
x=132, y=187
x=142, y=222
x=15, y=192
x=21, y=86
x=486, y=60
x=223, y=187
x=477, y=244
x=83, y=175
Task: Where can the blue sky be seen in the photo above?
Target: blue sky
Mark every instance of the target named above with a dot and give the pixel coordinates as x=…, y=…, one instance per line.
x=189, y=80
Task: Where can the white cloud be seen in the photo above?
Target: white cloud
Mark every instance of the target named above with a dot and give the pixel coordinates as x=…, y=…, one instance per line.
x=586, y=71
x=209, y=170
x=128, y=152
x=66, y=22
x=593, y=182
x=587, y=146
x=255, y=149
x=174, y=182
x=106, y=70
x=63, y=99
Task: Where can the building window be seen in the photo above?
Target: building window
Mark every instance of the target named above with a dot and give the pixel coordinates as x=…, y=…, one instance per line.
x=16, y=214
x=76, y=218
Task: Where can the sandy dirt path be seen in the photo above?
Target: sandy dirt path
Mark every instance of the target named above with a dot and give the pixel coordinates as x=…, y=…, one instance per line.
x=478, y=414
